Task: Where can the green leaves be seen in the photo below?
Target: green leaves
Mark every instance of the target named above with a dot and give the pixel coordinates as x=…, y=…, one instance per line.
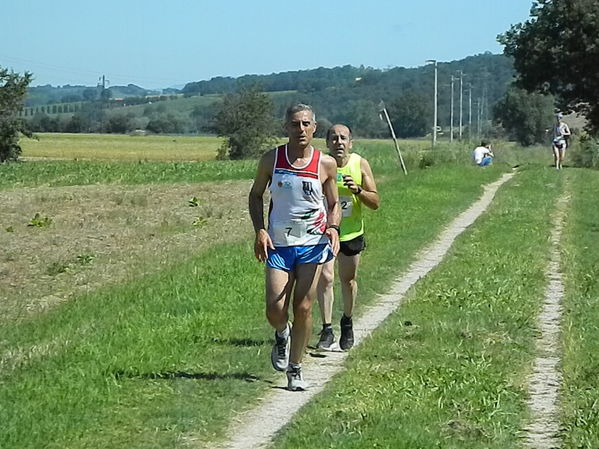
x=246, y=120
x=556, y=53
x=40, y=222
x=13, y=88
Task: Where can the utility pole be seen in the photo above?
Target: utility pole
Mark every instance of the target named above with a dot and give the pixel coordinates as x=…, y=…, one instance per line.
x=383, y=111
x=469, y=111
x=102, y=82
x=461, y=90
x=435, y=126
x=478, y=113
x=451, y=111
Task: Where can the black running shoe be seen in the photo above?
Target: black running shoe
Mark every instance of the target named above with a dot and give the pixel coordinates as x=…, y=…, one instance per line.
x=327, y=340
x=347, y=333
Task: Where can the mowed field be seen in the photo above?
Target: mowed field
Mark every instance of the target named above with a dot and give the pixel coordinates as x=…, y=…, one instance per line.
x=131, y=309
x=120, y=147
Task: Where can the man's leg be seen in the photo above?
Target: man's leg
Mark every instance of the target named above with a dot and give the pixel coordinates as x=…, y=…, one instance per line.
x=306, y=280
x=325, y=296
x=279, y=284
x=306, y=276
x=348, y=272
x=278, y=292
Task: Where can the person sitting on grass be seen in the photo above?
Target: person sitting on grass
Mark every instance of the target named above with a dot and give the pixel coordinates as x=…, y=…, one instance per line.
x=482, y=155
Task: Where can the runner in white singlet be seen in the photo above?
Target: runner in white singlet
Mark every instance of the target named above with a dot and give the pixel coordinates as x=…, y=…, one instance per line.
x=302, y=234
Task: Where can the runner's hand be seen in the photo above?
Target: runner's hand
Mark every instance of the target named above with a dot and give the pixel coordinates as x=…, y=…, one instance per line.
x=333, y=236
x=261, y=245
x=349, y=182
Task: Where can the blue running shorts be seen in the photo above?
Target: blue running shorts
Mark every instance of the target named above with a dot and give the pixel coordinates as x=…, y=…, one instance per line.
x=286, y=258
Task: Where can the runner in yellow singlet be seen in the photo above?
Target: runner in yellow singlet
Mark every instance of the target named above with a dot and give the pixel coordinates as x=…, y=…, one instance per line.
x=356, y=188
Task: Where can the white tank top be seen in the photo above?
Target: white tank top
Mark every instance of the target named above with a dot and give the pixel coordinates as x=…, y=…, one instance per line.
x=297, y=215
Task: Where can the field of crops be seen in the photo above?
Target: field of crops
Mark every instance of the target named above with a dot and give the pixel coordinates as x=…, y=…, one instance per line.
x=131, y=307
x=120, y=147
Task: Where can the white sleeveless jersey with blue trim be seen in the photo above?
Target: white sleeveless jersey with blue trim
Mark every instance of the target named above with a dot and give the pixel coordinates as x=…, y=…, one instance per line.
x=297, y=215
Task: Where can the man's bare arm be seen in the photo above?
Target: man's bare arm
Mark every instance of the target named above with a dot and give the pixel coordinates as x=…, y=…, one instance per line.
x=330, y=191
x=329, y=187
x=368, y=195
x=256, y=205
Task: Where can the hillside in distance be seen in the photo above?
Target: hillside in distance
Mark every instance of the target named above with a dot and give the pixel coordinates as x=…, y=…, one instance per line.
x=341, y=94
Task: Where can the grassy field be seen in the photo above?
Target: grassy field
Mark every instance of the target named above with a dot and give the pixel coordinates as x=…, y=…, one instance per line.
x=144, y=363
x=108, y=147
x=142, y=322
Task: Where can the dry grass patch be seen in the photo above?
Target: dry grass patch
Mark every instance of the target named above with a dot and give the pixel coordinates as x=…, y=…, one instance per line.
x=60, y=146
x=58, y=242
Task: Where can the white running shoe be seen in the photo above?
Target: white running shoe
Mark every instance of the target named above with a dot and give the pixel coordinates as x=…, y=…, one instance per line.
x=280, y=351
x=295, y=379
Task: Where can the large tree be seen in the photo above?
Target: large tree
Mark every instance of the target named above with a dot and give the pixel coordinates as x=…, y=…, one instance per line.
x=13, y=88
x=557, y=52
x=246, y=119
x=410, y=114
x=525, y=115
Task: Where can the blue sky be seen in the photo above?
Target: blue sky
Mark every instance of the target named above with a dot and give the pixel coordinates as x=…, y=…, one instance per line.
x=157, y=44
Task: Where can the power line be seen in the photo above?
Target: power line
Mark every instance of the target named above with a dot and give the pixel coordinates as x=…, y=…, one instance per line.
x=82, y=72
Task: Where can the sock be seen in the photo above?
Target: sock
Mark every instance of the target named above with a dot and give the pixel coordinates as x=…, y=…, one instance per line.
x=294, y=366
x=327, y=326
x=284, y=333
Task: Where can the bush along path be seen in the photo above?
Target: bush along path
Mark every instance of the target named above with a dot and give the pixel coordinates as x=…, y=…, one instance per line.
x=258, y=426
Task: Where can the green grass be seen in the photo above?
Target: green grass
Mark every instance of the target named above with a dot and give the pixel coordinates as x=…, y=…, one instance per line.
x=65, y=173
x=447, y=370
x=139, y=160
x=580, y=330
x=143, y=364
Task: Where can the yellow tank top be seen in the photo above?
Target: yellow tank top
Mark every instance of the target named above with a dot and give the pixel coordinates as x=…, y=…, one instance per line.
x=352, y=224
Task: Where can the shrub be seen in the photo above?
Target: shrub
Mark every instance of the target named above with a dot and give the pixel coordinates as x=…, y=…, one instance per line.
x=586, y=153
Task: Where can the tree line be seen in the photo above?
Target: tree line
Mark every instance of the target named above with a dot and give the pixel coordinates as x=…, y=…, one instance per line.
x=549, y=64
x=341, y=94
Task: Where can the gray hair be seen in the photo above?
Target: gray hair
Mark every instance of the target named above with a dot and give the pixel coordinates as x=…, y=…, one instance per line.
x=299, y=107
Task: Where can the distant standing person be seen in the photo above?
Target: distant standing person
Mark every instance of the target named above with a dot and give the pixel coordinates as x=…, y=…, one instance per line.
x=482, y=154
x=356, y=188
x=561, y=132
x=303, y=234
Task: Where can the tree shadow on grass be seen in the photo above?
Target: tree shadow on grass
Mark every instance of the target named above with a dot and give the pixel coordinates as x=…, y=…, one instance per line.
x=244, y=342
x=170, y=375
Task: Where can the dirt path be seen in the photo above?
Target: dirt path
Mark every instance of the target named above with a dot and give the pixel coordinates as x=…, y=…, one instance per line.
x=256, y=428
x=544, y=383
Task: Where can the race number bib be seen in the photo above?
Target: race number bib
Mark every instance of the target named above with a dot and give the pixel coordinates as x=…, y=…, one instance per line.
x=347, y=204
x=289, y=233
